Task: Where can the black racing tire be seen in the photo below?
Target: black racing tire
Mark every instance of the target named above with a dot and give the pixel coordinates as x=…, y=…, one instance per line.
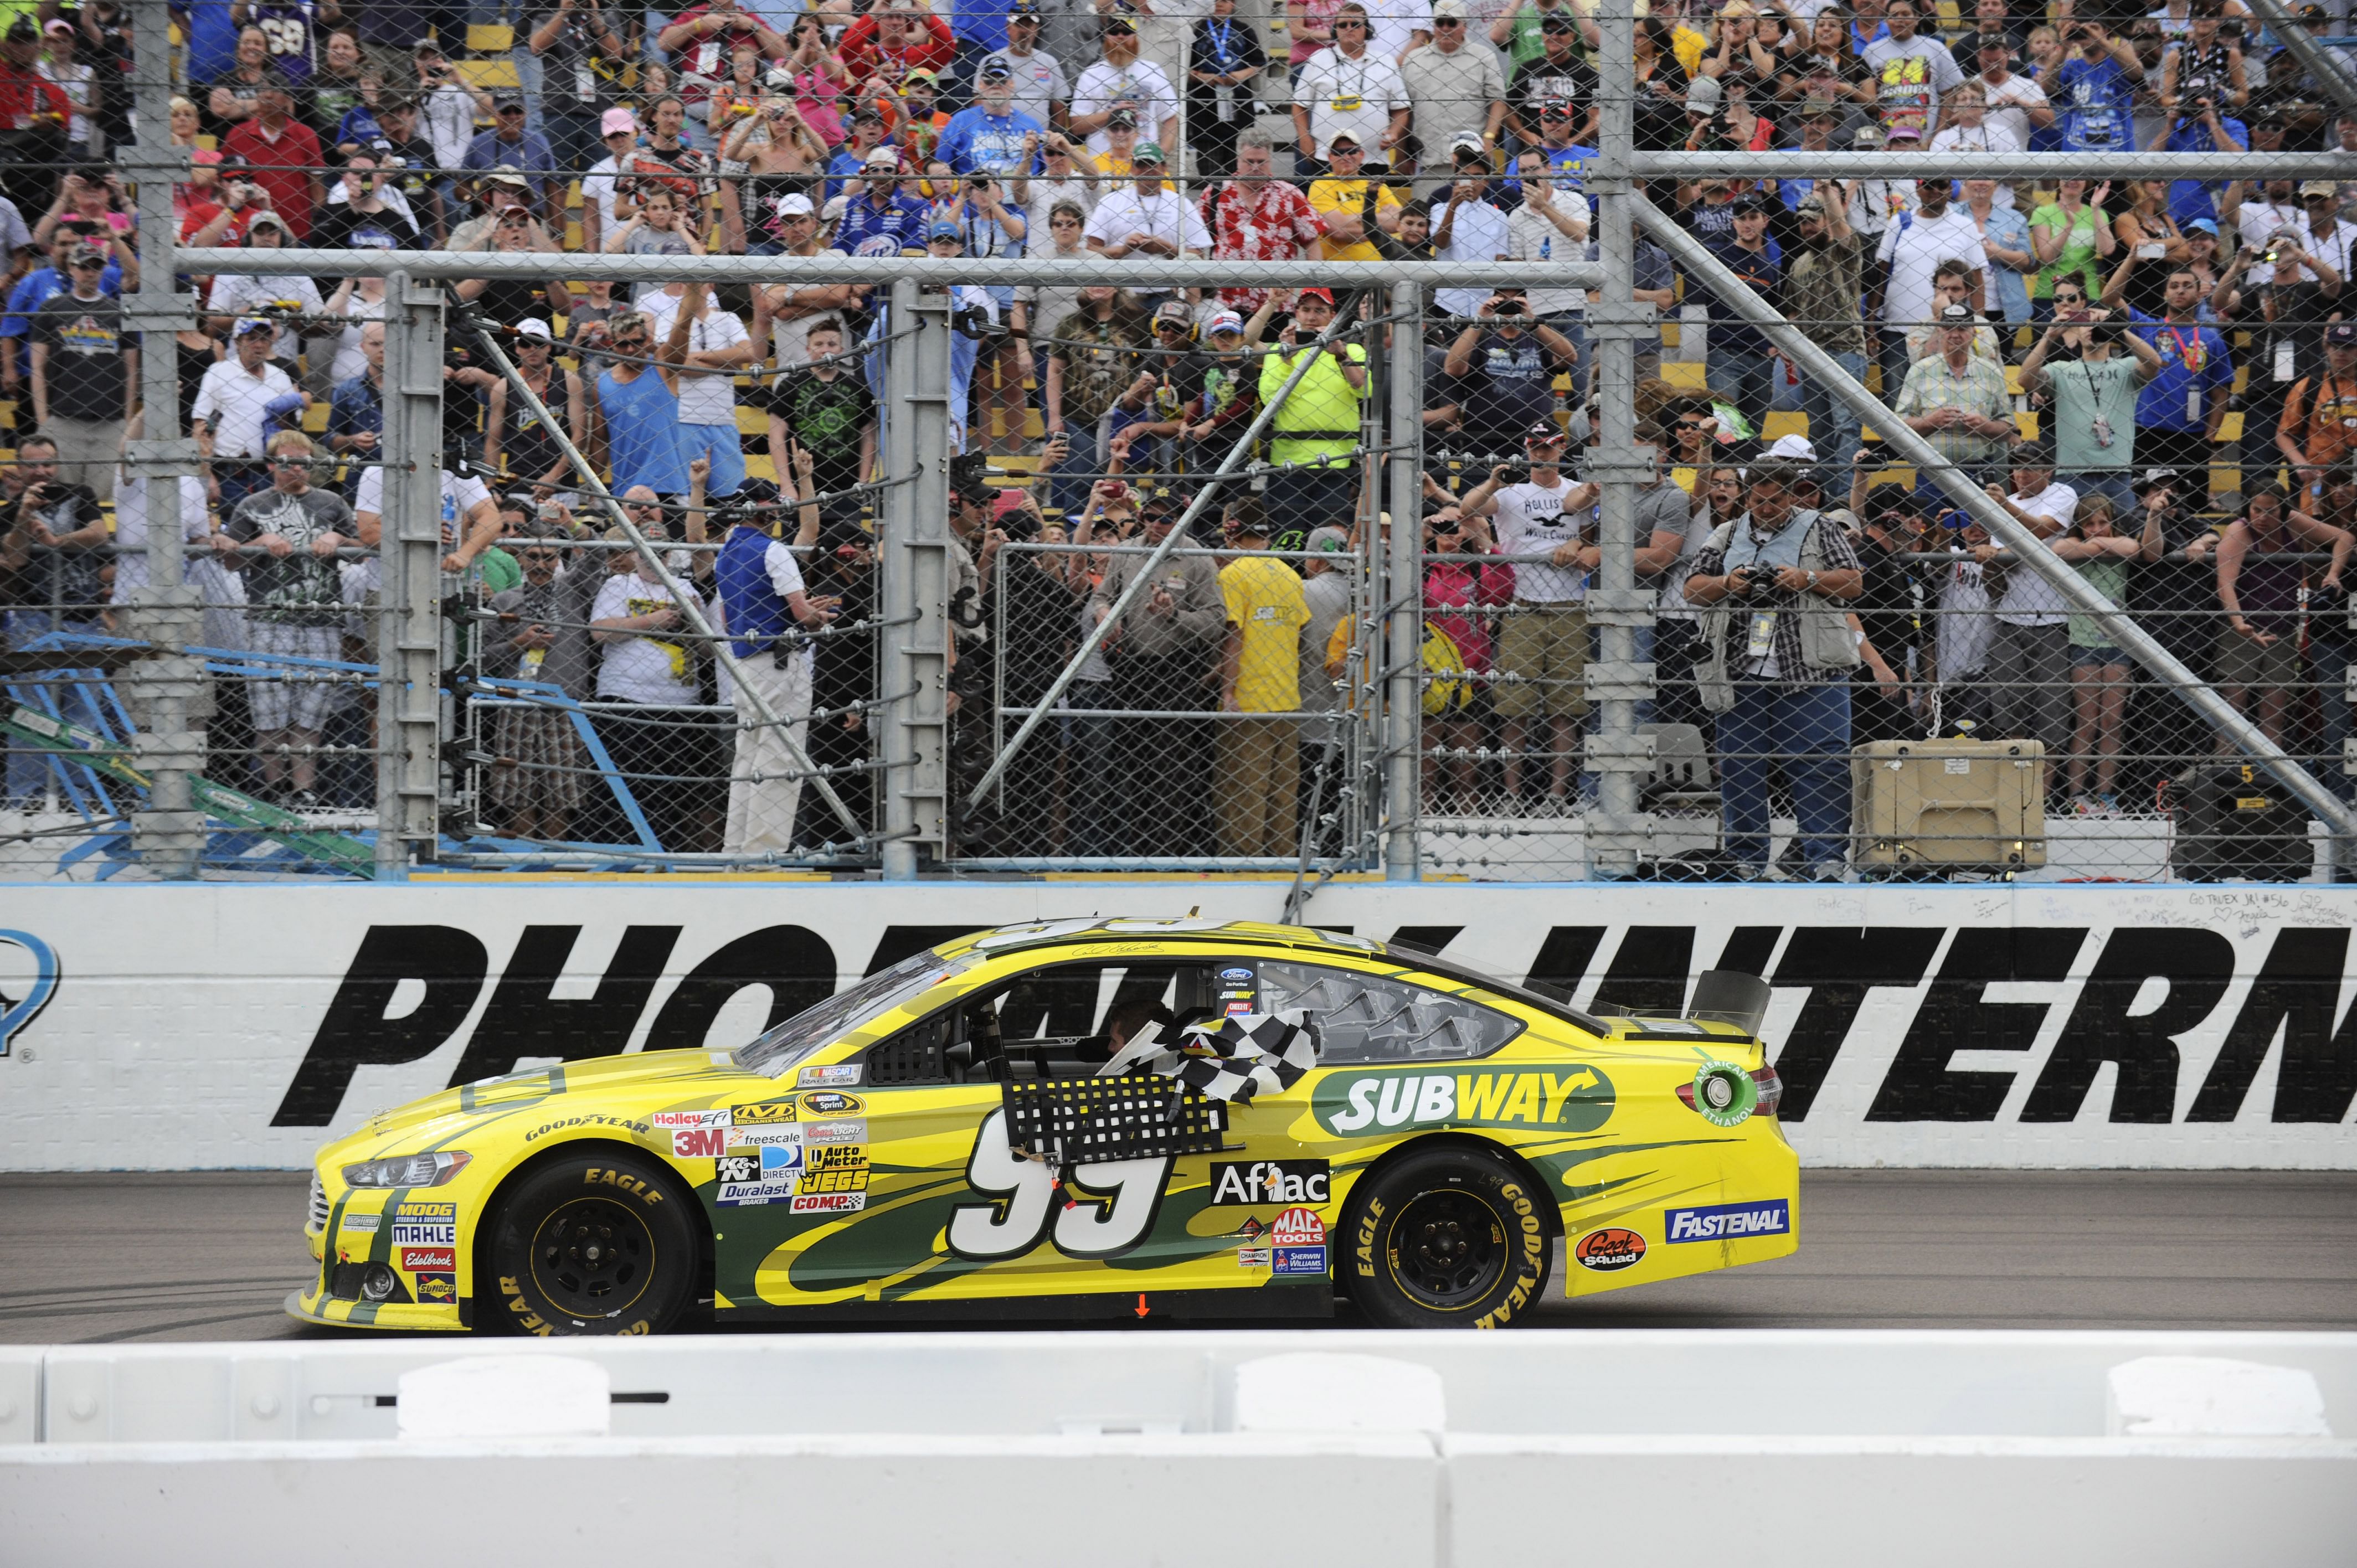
x=601, y=1242
x=1449, y=1237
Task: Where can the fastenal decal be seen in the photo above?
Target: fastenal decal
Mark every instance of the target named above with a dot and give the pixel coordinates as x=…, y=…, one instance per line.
x=1270, y=1181
x=1608, y=1251
x=841, y=1076
x=1728, y=1221
x=1576, y=1100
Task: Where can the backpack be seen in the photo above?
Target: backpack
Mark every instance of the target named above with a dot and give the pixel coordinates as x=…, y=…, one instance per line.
x=1448, y=684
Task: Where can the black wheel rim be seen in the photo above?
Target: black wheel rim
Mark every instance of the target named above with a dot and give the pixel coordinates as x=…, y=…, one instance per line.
x=1447, y=1248
x=592, y=1258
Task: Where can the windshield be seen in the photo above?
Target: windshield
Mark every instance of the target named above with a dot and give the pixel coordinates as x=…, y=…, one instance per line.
x=783, y=1048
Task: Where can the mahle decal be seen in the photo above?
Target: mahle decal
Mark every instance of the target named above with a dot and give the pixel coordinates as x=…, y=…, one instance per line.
x=1360, y=1104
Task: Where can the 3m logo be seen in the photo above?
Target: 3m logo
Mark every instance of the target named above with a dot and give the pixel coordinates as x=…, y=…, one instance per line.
x=699, y=1143
x=1728, y=1221
x=1363, y=1103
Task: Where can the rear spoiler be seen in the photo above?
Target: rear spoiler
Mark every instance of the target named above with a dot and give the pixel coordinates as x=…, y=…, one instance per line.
x=1730, y=997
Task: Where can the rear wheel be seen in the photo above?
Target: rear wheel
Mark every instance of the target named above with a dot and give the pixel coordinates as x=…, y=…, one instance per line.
x=589, y=1244
x=1447, y=1237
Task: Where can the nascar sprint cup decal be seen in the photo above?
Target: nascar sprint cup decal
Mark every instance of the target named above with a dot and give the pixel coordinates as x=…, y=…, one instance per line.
x=2037, y=1026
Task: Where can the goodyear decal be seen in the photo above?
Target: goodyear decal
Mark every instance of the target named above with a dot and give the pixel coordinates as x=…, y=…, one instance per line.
x=1362, y=1104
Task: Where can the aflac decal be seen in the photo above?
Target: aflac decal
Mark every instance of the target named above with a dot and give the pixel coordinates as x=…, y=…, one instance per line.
x=35, y=971
x=1363, y=1104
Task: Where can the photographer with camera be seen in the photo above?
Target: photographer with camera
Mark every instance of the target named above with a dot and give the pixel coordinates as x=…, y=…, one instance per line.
x=581, y=53
x=2094, y=417
x=2193, y=124
x=1777, y=653
x=2095, y=82
x=1502, y=366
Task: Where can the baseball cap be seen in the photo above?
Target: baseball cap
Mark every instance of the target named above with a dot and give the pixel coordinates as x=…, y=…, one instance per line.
x=1341, y=138
x=532, y=327
x=267, y=221
x=796, y=205
x=1024, y=8
x=1146, y=152
x=1448, y=10
x=1904, y=134
x=993, y=68
x=2152, y=477
x=1325, y=294
x=1866, y=138
x=1556, y=22
x=2319, y=187
x=1750, y=202
x=881, y=157
x=615, y=121
x=1224, y=321
x=22, y=30
x=920, y=76
x=2340, y=334
x=1796, y=448
x=248, y=326
x=1119, y=22
x=60, y=26
x=1466, y=141
x=2033, y=455
x=1956, y=316
x=1546, y=432
x=1702, y=94
x=1555, y=108
x=1818, y=109
x=1174, y=311
x=1326, y=539
x=1810, y=205
x=944, y=232
x=505, y=174
x=86, y=255
x=867, y=112
x=2207, y=226
x=507, y=99
x=1121, y=119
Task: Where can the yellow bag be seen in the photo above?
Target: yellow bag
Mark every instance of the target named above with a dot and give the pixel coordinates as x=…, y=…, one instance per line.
x=1448, y=684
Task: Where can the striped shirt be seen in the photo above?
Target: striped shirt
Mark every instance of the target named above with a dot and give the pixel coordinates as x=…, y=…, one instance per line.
x=1978, y=389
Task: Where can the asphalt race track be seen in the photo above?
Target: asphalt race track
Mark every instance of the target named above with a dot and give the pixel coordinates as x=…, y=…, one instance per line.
x=148, y=1257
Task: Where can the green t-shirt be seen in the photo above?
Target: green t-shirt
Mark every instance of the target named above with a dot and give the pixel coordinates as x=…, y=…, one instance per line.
x=2086, y=392
x=2078, y=252
x=2108, y=575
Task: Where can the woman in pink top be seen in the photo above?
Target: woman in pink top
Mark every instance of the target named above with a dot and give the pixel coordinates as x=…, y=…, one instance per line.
x=1310, y=25
x=820, y=78
x=1460, y=581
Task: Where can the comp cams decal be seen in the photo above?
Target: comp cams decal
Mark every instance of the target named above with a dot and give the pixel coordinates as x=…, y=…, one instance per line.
x=1362, y=1104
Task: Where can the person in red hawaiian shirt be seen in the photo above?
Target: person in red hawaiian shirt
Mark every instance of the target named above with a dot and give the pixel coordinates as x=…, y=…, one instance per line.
x=1256, y=216
x=285, y=157
x=33, y=115
x=701, y=40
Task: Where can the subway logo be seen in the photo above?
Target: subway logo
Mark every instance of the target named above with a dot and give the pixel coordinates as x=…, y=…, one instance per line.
x=1359, y=1104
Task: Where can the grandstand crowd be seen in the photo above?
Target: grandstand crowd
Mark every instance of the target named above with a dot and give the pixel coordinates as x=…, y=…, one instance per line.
x=2155, y=376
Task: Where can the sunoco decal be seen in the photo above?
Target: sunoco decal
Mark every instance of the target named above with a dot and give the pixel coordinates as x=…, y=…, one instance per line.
x=1360, y=1104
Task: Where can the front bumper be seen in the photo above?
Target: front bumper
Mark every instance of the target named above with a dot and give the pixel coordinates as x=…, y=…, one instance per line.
x=312, y=1304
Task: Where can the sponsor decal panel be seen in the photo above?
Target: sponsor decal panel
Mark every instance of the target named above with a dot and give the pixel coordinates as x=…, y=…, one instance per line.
x=439, y=1259
x=842, y=1075
x=738, y=1168
x=828, y=1104
x=768, y=1113
x=700, y=1142
x=835, y=1132
x=781, y=1159
x=830, y=1202
x=1299, y=1260
x=619, y=1124
x=1576, y=1098
x=1253, y=1257
x=1270, y=1182
x=360, y=1224
x=438, y=1233
x=1251, y=1230
x=1728, y=1221
x=1609, y=1250
x=1297, y=1228
x=763, y=1137
x=676, y=1121
x=753, y=1194
x=439, y=1288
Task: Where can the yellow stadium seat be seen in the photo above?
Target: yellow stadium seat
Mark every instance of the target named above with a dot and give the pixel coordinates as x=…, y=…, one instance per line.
x=2231, y=427
x=758, y=466
x=489, y=37
x=2225, y=480
x=2027, y=421
x=1903, y=478
x=490, y=75
x=753, y=422
x=315, y=419
x=1686, y=374
x=2013, y=381
x=1783, y=422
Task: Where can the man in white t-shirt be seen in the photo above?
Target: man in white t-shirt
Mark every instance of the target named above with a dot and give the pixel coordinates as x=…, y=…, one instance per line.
x=470, y=520
x=1121, y=80
x=2015, y=102
x=717, y=347
x=2030, y=662
x=603, y=207
x=1541, y=669
x=1914, y=246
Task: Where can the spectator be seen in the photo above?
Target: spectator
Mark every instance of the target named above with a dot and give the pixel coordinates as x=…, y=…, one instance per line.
x=369, y=215
x=1467, y=227
x=2095, y=83
x=1339, y=199
x=717, y=347
x=233, y=97
x=85, y=375
x=55, y=540
x=1742, y=366
x=604, y=204
x=542, y=636
x=1543, y=650
x=2015, y=102
x=767, y=607
x=2031, y=649
x=2260, y=581
x=294, y=612
x=2257, y=213
x=1556, y=76
x=1455, y=88
x=2318, y=428
x=1039, y=85
x=1519, y=34
x=2203, y=130
x=1502, y=369
x=830, y=416
x=2004, y=240
x=2151, y=243
x=881, y=219
x=1461, y=592
x=515, y=438
x=992, y=137
x=284, y=155
x=1254, y=217
x=448, y=105
x=290, y=300
x=509, y=145
x=1958, y=401
x=1821, y=293
x=1314, y=434
x=1914, y=246
x=1257, y=779
x=784, y=314
x=659, y=228
x=1970, y=129
x=232, y=413
x=637, y=400
x=662, y=741
x=702, y=38
x=356, y=410
x=1914, y=73
x=2100, y=672
x=1777, y=653
x=2183, y=406
x=1092, y=357
x=1146, y=218
x=581, y=53
x=2095, y=394
x=1122, y=81
x=1347, y=88
x=77, y=80
x=1226, y=59
x=1951, y=285
x=1159, y=659
x=2069, y=236
x=1894, y=611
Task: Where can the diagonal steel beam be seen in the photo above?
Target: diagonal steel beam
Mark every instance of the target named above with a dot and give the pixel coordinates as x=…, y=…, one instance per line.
x=2319, y=61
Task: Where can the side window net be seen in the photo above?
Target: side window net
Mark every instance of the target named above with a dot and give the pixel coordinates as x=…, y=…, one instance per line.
x=1372, y=1018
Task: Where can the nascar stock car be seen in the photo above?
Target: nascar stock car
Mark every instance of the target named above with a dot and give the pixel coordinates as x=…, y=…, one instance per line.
x=1081, y=1119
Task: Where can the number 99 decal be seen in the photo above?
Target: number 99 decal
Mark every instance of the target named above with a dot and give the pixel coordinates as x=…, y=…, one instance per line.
x=1115, y=1207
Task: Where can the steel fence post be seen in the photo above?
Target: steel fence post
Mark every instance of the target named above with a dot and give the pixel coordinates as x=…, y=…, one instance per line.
x=915, y=585
x=168, y=833
x=410, y=710
x=1402, y=592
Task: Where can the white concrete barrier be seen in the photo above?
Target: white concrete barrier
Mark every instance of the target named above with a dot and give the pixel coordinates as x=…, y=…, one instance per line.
x=1189, y=1446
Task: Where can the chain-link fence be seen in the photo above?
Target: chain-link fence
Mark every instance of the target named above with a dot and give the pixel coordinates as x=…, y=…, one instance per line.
x=1628, y=477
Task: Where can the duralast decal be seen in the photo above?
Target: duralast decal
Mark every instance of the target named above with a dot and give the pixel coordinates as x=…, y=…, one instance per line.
x=1574, y=1098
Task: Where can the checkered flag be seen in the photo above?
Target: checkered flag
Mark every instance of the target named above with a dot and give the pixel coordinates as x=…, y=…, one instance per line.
x=1249, y=1053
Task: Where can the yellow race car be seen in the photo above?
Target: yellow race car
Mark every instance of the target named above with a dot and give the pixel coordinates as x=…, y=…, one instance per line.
x=1081, y=1119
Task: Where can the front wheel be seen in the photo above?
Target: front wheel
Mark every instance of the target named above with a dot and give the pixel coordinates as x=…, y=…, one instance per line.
x=1450, y=1238
x=591, y=1244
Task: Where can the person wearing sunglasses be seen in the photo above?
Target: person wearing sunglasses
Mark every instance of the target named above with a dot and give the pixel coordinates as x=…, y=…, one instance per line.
x=1347, y=88
x=638, y=398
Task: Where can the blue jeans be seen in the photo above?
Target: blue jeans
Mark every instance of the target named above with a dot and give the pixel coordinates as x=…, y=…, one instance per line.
x=2114, y=483
x=1746, y=379
x=1308, y=498
x=1833, y=425
x=1806, y=727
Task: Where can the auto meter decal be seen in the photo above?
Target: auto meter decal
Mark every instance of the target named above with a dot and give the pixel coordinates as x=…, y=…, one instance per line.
x=1362, y=1104
x=1609, y=1250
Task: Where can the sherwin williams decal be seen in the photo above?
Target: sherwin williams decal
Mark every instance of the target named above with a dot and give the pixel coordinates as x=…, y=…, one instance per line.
x=1728, y=1221
x=1360, y=1104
